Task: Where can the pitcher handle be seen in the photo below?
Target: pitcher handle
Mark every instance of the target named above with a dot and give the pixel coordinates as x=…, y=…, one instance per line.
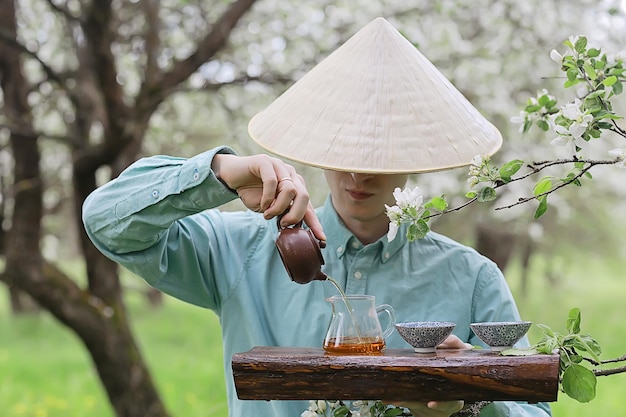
x=391, y=314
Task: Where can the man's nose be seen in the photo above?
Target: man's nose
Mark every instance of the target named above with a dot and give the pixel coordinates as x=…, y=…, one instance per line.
x=360, y=177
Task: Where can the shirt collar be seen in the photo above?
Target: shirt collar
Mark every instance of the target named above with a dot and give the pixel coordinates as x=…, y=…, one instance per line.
x=339, y=237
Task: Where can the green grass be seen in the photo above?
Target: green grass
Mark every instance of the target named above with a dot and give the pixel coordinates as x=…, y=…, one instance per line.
x=597, y=286
x=45, y=371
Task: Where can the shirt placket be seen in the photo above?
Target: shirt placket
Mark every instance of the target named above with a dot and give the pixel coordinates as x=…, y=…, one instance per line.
x=359, y=269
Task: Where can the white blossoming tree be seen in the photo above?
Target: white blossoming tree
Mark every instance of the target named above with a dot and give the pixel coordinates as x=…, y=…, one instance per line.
x=598, y=78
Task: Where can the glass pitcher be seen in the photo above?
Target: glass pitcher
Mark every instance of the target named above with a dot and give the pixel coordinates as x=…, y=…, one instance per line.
x=354, y=326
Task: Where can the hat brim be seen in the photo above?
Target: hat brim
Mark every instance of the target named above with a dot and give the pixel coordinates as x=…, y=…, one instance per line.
x=375, y=105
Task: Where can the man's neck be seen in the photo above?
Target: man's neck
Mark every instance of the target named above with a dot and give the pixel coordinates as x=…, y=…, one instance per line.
x=368, y=232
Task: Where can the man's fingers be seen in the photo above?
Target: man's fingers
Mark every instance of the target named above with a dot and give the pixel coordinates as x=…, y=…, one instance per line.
x=450, y=407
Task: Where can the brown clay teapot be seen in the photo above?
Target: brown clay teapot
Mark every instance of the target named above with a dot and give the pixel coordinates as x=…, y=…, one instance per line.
x=300, y=252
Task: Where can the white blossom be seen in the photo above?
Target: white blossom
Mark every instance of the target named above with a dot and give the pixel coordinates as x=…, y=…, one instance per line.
x=408, y=197
x=566, y=139
x=408, y=209
x=618, y=154
x=520, y=120
x=309, y=413
x=477, y=161
x=321, y=406
x=394, y=213
x=573, y=112
x=556, y=57
x=392, y=232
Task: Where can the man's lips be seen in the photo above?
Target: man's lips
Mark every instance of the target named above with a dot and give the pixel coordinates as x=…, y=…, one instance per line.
x=359, y=195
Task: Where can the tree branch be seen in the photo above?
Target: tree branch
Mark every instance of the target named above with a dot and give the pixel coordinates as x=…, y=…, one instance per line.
x=612, y=371
x=615, y=360
x=152, y=94
x=62, y=11
x=35, y=134
x=545, y=164
x=52, y=75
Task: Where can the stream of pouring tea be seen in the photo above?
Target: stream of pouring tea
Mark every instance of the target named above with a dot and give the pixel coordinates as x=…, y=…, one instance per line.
x=360, y=345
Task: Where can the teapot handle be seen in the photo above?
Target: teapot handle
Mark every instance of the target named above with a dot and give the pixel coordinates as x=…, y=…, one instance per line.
x=294, y=226
x=386, y=308
x=320, y=243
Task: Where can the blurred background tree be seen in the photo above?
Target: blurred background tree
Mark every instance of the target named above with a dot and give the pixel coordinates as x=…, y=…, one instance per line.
x=90, y=86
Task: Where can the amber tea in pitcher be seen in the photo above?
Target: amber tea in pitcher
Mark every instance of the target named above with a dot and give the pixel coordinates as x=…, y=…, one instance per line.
x=354, y=326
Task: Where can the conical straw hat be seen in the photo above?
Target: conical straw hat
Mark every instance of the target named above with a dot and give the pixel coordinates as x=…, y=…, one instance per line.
x=375, y=105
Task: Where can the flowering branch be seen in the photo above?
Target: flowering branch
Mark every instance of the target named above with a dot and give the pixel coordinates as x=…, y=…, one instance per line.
x=598, y=77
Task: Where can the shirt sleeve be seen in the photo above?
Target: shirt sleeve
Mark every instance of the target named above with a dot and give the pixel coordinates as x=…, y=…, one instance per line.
x=130, y=212
x=493, y=301
x=152, y=220
x=516, y=409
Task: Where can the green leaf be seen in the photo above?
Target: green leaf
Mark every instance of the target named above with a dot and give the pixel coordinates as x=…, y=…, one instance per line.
x=595, y=133
x=471, y=194
x=589, y=345
x=438, y=203
x=572, y=74
x=581, y=44
x=595, y=108
x=543, y=186
x=609, y=81
x=545, y=329
x=417, y=230
x=510, y=168
x=486, y=194
x=617, y=88
x=543, y=125
x=579, y=383
x=595, y=94
x=342, y=411
x=573, y=321
x=532, y=108
x=590, y=71
x=520, y=352
x=593, y=52
x=527, y=124
x=542, y=207
x=543, y=100
x=547, y=345
x=393, y=412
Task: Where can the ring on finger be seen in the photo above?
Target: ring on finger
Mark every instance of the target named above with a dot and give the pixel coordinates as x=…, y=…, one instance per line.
x=285, y=179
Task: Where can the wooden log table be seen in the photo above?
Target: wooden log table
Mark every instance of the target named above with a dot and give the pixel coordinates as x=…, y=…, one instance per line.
x=282, y=373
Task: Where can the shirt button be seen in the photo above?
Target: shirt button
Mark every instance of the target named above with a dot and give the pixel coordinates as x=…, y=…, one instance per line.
x=196, y=175
x=358, y=275
x=339, y=249
x=386, y=255
x=155, y=194
x=355, y=244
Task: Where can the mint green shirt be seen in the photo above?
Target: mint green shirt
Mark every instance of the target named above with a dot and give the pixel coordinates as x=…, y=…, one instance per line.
x=158, y=219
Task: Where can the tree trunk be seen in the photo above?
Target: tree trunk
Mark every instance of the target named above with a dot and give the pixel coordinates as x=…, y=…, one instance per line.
x=495, y=243
x=21, y=302
x=96, y=315
x=101, y=323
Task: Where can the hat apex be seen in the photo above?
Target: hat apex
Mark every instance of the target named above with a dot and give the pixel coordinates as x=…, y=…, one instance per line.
x=375, y=105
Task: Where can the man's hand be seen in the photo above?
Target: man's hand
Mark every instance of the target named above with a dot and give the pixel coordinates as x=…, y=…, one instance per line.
x=270, y=186
x=431, y=408
x=453, y=342
x=436, y=408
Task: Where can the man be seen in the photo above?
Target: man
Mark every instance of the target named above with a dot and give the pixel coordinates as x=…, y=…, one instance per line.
x=158, y=218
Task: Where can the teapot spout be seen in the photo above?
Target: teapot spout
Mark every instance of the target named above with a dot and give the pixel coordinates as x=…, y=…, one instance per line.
x=320, y=276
